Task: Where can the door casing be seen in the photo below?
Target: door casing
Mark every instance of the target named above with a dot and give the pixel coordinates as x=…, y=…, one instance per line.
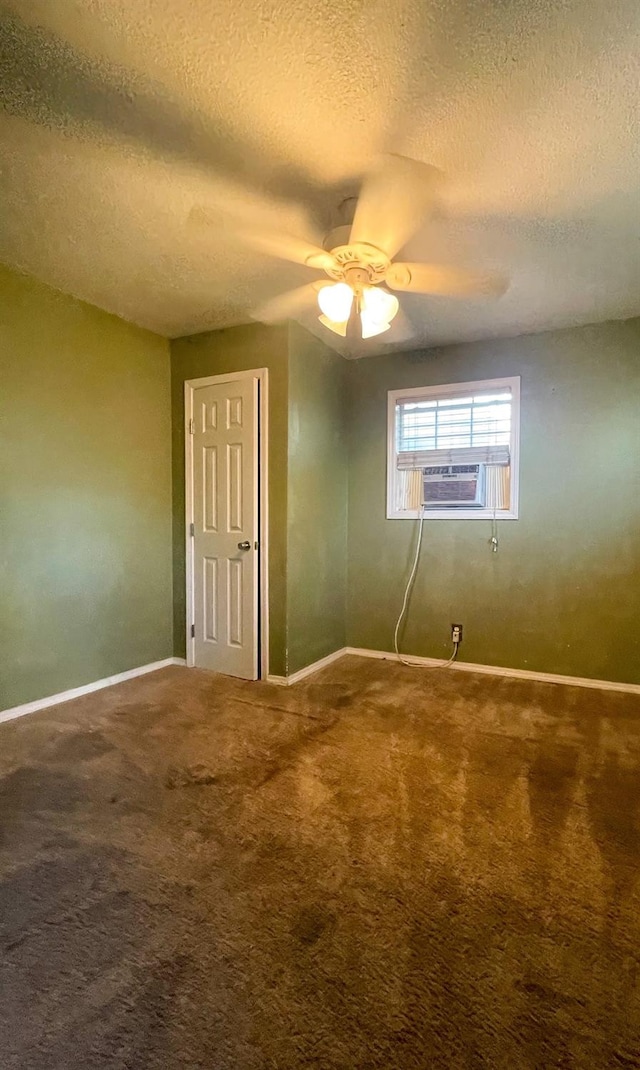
x=262, y=377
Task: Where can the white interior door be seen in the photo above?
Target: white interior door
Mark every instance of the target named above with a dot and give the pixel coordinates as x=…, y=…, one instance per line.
x=224, y=503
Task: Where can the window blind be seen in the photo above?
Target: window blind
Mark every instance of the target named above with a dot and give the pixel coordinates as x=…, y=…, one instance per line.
x=474, y=429
x=409, y=490
x=498, y=487
x=470, y=455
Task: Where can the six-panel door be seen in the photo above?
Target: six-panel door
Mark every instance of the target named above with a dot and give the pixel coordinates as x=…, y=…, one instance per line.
x=225, y=517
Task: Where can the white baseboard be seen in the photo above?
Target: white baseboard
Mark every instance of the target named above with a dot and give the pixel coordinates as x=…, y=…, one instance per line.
x=496, y=670
x=86, y=689
x=308, y=670
x=286, y=681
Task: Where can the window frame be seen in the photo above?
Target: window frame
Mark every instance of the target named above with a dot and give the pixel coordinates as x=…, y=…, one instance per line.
x=420, y=392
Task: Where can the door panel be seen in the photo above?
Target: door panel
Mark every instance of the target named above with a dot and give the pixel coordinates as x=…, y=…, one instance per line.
x=235, y=486
x=225, y=515
x=210, y=599
x=234, y=602
x=210, y=489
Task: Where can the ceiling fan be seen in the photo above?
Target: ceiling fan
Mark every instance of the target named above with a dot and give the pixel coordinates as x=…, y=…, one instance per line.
x=358, y=258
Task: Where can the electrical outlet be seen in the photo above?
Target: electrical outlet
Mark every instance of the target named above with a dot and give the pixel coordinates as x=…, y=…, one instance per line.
x=456, y=633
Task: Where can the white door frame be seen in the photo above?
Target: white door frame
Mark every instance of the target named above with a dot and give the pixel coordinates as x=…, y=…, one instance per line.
x=262, y=376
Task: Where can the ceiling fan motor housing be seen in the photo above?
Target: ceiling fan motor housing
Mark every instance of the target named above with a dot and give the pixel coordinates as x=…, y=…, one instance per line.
x=372, y=262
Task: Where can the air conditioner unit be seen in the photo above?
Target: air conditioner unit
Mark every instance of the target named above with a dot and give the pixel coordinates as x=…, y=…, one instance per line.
x=454, y=485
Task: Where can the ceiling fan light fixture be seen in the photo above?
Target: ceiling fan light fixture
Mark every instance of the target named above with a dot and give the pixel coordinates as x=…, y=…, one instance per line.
x=370, y=327
x=337, y=328
x=378, y=305
x=378, y=309
x=335, y=302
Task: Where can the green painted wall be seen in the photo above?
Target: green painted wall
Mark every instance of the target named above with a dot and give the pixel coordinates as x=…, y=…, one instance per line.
x=85, y=525
x=563, y=593
x=214, y=353
x=317, y=501
x=86, y=499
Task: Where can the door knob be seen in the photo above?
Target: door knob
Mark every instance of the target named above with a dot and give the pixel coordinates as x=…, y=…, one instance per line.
x=244, y=545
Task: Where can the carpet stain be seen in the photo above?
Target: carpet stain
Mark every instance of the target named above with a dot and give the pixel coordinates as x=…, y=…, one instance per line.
x=189, y=777
x=81, y=747
x=551, y=783
x=37, y=788
x=311, y=923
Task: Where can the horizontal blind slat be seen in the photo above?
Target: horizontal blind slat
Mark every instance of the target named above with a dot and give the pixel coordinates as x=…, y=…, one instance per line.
x=497, y=455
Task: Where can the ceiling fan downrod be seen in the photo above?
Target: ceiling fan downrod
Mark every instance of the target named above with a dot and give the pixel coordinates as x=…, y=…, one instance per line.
x=356, y=278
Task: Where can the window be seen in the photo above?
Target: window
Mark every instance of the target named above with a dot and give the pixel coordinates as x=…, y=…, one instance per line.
x=453, y=451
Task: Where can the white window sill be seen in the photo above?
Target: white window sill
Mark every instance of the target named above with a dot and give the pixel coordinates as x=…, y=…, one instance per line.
x=453, y=514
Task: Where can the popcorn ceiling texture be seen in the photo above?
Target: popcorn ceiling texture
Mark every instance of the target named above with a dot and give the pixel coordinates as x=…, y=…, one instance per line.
x=119, y=118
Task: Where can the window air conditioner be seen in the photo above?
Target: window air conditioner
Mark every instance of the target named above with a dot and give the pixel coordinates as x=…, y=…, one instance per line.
x=451, y=485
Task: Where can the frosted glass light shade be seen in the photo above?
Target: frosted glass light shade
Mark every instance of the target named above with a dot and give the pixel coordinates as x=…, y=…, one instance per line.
x=370, y=328
x=378, y=305
x=337, y=328
x=335, y=301
x=378, y=309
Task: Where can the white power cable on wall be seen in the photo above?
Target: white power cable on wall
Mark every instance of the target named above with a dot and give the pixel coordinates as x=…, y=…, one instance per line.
x=405, y=603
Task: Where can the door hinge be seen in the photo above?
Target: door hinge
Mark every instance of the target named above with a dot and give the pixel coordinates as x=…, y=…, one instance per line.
x=193, y=631
x=192, y=428
x=192, y=530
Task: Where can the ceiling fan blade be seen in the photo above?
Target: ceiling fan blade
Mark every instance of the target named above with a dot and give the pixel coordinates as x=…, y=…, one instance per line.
x=288, y=247
x=396, y=196
x=272, y=242
x=287, y=305
x=446, y=281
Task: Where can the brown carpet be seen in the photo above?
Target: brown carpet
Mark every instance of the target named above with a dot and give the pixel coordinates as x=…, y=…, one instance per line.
x=382, y=867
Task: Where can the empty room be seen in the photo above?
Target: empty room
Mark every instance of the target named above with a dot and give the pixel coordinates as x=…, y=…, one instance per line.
x=319, y=535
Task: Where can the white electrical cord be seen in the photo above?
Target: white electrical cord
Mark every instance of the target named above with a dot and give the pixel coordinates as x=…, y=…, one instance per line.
x=408, y=589
x=405, y=603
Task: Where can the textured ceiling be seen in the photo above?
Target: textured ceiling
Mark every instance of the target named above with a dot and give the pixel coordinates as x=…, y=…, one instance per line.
x=121, y=116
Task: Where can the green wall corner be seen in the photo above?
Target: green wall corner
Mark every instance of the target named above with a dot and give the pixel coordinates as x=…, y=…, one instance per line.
x=316, y=501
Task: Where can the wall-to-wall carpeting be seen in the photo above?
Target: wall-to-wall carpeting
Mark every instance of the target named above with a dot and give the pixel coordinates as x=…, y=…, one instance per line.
x=381, y=867
x=85, y=519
